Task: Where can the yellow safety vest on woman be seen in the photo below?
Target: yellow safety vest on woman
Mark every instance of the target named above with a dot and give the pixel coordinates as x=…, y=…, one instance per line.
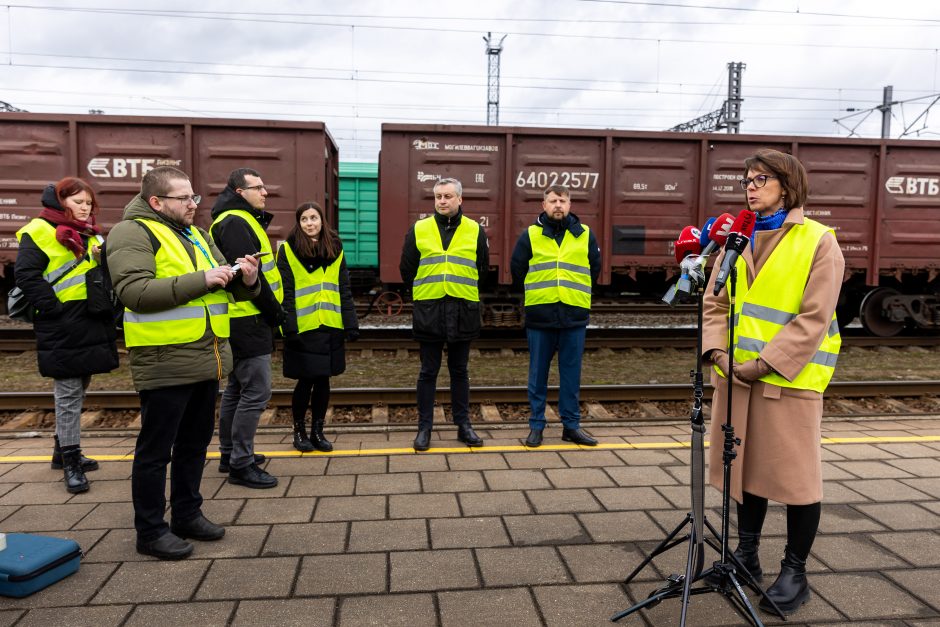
x=316, y=294
x=268, y=268
x=774, y=299
x=558, y=273
x=71, y=285
x=187, y=322
x=451, y=272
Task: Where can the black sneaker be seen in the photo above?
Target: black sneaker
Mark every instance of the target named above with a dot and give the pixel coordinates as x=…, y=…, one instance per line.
x=251, y=477
x=226, y=458
x=199, y=528
x=166, y=547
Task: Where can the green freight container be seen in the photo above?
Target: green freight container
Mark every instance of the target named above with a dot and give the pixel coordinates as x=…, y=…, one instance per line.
x=359, y=213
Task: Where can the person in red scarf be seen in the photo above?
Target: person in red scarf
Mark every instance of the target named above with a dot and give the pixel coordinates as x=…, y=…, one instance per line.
x=59, y=253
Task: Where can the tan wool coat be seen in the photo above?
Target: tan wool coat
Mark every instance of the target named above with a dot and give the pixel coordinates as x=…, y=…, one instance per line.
x=780, y=455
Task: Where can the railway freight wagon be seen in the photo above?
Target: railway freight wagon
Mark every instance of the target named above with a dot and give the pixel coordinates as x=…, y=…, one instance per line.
x=298, y=161
x=637, y=190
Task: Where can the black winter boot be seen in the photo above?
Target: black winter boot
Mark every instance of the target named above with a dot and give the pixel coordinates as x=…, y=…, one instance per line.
x=319, y=440
x=75, y=480
x=746, y=553
x=301, y=441
x=88, y=464
x=790, y=590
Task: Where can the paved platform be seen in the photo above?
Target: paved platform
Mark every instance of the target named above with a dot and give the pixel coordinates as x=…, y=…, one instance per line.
x=377, y=535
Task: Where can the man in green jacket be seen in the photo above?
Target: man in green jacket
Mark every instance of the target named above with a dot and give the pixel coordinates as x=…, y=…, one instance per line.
x=175, y=286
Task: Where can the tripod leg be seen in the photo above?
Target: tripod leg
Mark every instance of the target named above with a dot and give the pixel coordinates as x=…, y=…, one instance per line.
x=663, y=546
x=745, y=602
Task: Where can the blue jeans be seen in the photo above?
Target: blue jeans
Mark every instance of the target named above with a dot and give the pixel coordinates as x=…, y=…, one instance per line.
x=543, y=344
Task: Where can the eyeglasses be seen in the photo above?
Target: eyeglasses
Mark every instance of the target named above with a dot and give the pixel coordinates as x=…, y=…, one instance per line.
x=759, y=181
x=257, y=187
x=196, y=199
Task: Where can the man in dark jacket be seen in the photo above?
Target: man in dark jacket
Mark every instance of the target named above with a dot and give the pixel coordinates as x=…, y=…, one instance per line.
x=238, y=228
x=443, y=259
x=557, y=260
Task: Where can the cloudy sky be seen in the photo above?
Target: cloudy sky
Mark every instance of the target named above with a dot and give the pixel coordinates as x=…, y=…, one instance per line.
x=641, y=65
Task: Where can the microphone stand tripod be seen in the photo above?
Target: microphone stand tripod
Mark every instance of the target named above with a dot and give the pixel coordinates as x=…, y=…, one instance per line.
x=681, y=585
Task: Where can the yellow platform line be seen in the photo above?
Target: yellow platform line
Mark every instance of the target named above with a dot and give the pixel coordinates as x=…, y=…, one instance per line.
x=605, y=446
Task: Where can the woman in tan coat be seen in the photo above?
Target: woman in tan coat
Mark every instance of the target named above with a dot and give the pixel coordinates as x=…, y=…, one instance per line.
x=787, y=342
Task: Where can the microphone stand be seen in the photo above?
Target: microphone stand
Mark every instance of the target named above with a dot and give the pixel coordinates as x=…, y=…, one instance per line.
x=681, y=585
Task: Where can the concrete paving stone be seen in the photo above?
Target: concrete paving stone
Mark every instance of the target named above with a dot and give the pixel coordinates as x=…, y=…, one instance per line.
x=76, y=589
x=8, y=617
x=417, y=571
x=580, y=606
x=357, y=465
x=862, y=451
x=460, y=533
x=286, y=510
x=239, y=541
x=611, y=431
x=563, y=501
x=108, y=516
x=681, y=495
x=928, y=485
x=829, y=454
x=550, y=529
x=221, y=512
x=491, y=461
x=590, y=459
x=886, y=490
x=579, y=478
x=921, y=467
x=211, y=614
x=231, y=491
x=923, y=584
x=416, y=463
x=107, y=471
x=360, y=436
x=76, y=616
x=494, y=503
x=367, y=536
x=920, y=548
x=286, y=613
x=6, y=510
x=152, y=582
x=681, y=474
x=38, y=518
x=86, y=538
x=388, y=610
x=590, y=563
x=856, y=552
x=117, y=545
x=872, y=469
x=516, y=479
x=933, y=506
x=331, y=508
x=306, y=539
x=908, y=449
x=901, y=516
x=832, y=472
x=249, y=578
x=398, y=483
x=645, y=498
x=361, y=573
x=453, y=481
x=521, y=566
x=867, y=596
x=340, y=485
x=621, y=526
x=683, y=456
x=105, y=492
x=303, y=466
x=838, y=492
x=840, y=518
x=509, y=607
x=36, y=494
x=441, y=505
x=922, y=623
x=534, y=460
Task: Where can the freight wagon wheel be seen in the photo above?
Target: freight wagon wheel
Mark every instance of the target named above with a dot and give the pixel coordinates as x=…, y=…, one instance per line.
x=872, y=313
x=389, y=303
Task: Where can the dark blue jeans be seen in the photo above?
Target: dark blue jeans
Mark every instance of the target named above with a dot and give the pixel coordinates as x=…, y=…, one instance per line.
x=543, y=344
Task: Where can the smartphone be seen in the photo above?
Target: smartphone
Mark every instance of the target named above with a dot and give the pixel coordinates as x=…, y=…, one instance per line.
x=258, y=255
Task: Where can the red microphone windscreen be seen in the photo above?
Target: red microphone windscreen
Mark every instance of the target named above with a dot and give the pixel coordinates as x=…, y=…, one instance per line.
x=721, y=228
x=744, y=223
x=688, y=243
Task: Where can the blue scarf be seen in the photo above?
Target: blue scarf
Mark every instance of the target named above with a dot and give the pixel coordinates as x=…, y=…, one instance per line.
x=769, y=223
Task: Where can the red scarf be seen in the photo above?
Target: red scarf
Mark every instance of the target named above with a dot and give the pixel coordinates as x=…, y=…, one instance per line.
x=69, y=232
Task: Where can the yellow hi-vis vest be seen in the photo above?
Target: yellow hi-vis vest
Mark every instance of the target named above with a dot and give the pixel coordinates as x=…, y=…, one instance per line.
x=187, y=322
x=451, y=272
x=268, y=268
x=558, y=273
x=774, y=299
x=316, y=294
x=72, y=284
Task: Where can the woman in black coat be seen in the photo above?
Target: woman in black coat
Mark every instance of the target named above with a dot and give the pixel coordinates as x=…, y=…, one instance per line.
x=58, y=257
x=321, y=315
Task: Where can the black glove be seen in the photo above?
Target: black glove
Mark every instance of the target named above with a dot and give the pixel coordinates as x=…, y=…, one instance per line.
x=352, y=335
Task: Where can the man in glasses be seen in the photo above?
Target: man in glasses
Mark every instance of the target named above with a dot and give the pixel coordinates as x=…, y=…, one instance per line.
x=238, y=227
x=175, y=286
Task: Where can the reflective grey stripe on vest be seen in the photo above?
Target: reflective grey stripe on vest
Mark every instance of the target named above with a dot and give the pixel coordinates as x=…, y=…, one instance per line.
x=575, y=286
x=268, y=266
x=834, y=328
x=574, y=268
x=821, y=358
x=545, y=265
x=440, y=278
x=540, y=285
x=768, y=314
x=55, y=274
x=67, y=283
x=310, y=289
x=180, y=313
x=427, y=261
x=303, y=311
x=218, y=309
x=457, y=261
x=275, y=286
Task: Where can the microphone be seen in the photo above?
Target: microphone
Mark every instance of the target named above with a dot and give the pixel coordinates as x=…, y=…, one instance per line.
x=715, y=233
x=688, y=243
x=738, y=239
x=687, y=256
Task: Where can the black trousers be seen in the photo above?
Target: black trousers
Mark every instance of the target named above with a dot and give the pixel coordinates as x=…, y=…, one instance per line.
x=176, y=425
x=458, y=354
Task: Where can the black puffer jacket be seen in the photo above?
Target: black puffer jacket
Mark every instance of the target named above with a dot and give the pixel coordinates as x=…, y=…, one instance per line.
x=553, y=315
x=318, y=352
x=446, y=319
x=69, y=342
x=251, y=335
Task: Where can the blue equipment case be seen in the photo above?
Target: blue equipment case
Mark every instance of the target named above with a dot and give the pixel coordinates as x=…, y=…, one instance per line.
x=31, y=562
